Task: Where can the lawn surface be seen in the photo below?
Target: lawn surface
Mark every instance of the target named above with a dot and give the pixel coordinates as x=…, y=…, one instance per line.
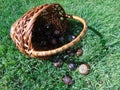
x=101, y=47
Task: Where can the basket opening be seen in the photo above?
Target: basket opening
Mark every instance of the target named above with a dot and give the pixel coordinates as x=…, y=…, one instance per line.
x=45, y=35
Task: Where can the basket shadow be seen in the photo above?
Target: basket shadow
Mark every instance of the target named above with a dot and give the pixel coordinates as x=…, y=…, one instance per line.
x=102, y=40
x=104, y=49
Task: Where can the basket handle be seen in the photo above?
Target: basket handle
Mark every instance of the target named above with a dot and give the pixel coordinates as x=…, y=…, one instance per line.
x=33, y=53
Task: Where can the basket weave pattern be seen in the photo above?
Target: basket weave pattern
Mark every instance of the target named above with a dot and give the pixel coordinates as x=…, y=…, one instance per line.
x=22, y=30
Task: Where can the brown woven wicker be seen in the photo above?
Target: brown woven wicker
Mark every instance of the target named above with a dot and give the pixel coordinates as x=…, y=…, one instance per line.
x=26, y=32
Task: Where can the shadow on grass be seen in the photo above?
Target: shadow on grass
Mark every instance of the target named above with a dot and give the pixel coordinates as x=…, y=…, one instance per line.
x=102, y=40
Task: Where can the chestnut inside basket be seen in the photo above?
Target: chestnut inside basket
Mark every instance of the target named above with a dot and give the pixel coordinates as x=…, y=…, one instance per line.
x=33, y=31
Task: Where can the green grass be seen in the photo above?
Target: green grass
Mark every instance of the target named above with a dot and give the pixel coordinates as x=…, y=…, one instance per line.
x=101, y=47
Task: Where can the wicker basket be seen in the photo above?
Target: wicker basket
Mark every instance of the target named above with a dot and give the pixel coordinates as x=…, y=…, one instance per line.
x=28, y=30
